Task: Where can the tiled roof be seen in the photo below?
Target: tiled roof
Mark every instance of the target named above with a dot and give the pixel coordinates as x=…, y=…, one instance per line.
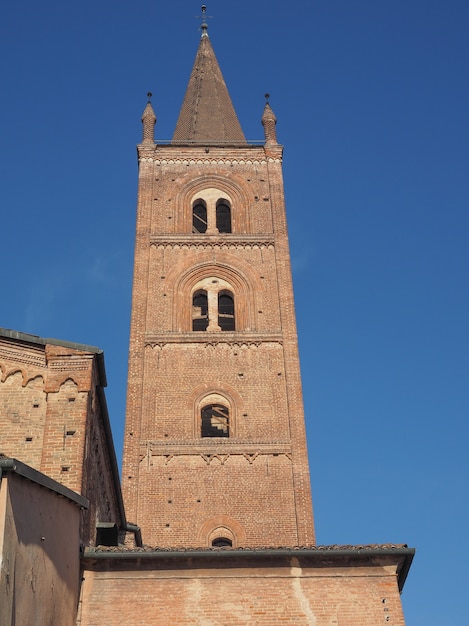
x=332, y=548
x=207, y=113
x=309, y=556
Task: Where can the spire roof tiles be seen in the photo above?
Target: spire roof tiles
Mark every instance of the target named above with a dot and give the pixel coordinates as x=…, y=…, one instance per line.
x=207, y=113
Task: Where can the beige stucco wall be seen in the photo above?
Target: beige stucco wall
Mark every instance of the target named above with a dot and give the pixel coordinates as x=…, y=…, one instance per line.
x=39, y=555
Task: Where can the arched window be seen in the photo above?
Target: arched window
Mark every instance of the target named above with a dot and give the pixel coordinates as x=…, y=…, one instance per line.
x=215, y=421
x=223, y=216
x=213, y=306
x=222, y=542
x=199, y=217
x=226, y=311
x=200, y=310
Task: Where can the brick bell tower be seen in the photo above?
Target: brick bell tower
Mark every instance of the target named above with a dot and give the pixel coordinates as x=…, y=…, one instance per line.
x=215, y=447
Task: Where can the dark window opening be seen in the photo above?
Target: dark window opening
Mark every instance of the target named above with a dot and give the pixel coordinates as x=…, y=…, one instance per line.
x=223, y=217
x=200, y=310
x=222, y=542
x=199, y=217
x=107, y=534
x=215, y=421
x=226, y=312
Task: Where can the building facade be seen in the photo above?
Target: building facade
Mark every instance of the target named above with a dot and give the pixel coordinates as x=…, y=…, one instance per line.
x=215, y=473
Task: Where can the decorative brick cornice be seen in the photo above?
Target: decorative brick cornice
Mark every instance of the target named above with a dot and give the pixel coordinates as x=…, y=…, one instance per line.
x=234, y=340
x=213, y=449
x=70, y=365
x=212, y=241
x=21, y=355
x=204, y=161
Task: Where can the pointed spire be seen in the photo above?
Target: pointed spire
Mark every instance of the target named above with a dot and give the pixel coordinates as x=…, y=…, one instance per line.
x=207, y=113
x=268, y=122
x=148, y=121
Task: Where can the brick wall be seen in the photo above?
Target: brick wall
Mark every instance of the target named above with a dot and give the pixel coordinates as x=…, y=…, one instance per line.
x=259, y=476
x=351, y=591
x=52, y=418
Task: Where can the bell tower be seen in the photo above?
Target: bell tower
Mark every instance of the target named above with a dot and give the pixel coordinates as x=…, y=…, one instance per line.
x=215, y=447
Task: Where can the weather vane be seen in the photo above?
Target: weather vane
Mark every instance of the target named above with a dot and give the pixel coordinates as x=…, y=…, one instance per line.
x=203, y=17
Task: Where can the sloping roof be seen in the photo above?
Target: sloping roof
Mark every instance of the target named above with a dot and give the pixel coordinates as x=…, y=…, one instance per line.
x=16, y=467
x=319, y=556
x=20, y=336
x=370, y=547
x=207, y=113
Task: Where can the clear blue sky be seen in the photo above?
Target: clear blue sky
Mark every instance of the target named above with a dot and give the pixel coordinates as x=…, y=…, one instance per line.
x=372, y=101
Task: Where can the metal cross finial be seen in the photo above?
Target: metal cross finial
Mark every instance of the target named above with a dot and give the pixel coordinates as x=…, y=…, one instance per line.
x=203, y=17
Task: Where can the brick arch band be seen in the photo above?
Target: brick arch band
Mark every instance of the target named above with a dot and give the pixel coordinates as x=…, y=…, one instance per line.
x=239, y=216
x=25, y=377
x=53, y=384
x=209, y=530
x=242, y=292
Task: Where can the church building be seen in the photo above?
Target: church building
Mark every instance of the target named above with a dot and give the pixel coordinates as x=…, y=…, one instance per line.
x=214, y=522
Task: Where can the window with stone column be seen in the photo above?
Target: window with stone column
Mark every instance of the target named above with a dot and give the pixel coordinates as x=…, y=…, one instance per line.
x=211, y=212
x=213, y=306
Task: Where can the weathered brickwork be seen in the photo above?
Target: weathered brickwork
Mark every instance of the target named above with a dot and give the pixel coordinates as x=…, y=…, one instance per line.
x=253, y=369
x=51, y=418
x=192, y=493
x=353, y=592
x=22, y=413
